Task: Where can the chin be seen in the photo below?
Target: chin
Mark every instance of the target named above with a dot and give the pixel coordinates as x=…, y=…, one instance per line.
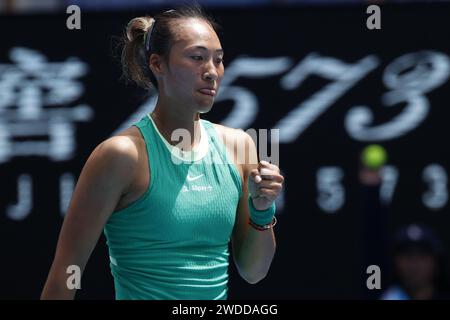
x=204, y=108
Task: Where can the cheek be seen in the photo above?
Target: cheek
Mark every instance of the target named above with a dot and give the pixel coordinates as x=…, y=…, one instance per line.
x=184, y=78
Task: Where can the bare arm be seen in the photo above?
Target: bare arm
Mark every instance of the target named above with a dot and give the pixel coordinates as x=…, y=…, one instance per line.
x=105, y=177
x=253, y=250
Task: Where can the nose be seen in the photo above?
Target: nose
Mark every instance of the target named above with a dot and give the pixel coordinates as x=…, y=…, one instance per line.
x=210, y=73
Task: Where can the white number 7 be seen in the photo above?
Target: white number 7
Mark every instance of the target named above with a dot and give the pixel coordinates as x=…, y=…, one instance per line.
x=344, y=75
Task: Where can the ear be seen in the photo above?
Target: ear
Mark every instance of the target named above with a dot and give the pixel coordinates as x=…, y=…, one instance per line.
x=157, y=65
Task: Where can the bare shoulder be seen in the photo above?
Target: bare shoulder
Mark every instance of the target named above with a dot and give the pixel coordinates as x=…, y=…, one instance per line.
x=129, y=141
x=230, y=133
x=133, y=135
x=120, y=152
x=240, y=146
x=120, y=146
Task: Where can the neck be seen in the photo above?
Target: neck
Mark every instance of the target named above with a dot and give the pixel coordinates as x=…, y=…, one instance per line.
x=169, y=117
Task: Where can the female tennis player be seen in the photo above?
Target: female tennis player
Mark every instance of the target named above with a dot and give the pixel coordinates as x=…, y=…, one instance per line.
x=169, y=214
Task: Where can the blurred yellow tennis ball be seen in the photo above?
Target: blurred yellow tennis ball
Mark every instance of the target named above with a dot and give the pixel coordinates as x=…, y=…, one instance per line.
x=374, y=156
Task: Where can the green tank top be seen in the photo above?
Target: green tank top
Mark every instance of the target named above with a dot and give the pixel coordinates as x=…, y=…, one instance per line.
x=172, y=243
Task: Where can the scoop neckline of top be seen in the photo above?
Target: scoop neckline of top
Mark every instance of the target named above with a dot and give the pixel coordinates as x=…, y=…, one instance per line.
x=191, y=155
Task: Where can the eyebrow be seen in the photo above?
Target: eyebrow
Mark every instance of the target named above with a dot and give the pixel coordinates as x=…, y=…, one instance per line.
x=206, y=49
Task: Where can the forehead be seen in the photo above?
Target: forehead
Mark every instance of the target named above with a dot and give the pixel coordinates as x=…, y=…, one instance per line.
x=193, y=31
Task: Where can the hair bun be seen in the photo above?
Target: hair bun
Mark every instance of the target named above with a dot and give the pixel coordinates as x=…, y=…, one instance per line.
x=138, y=26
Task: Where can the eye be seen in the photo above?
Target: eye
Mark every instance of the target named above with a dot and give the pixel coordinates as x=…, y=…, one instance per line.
x=219, y=60
x=197, y=58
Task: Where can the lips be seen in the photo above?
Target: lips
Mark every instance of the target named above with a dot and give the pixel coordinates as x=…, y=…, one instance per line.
x=209, y=92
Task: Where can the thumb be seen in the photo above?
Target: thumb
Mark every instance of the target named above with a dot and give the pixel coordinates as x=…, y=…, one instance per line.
x=255, y=176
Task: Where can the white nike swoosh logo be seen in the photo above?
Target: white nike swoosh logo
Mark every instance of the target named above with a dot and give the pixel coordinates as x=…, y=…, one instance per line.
x=193, y=178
